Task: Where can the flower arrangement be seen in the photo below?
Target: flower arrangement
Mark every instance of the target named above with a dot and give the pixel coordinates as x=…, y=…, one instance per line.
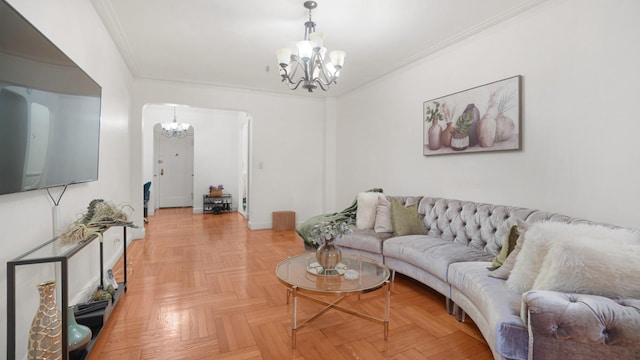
x=327, y=230
x=216, y=187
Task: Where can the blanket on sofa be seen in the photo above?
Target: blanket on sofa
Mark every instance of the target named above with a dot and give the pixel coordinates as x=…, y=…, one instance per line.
x=304, y=229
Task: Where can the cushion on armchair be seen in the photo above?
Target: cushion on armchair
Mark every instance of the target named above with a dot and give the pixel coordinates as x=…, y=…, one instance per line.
x=504, y=270
x=383, y=215
x=592, y=267
x=507, y=247
x=539, y=238
x=366, y=212
x=405, y=219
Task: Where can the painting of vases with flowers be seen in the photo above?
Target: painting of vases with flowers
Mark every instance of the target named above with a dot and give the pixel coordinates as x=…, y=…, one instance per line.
x=483, y=118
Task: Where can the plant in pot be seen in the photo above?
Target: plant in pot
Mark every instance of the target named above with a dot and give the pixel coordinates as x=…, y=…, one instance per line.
x=448, y=113
x=460, y=138
x=435, y=130
x=324, y=234
x=487, y=123
x=472, y=110
x=505, y=127
x=495, y=126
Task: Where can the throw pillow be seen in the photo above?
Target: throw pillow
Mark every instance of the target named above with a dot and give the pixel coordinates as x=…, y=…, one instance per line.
x=405, y=220
x=383, y=216
x=505, y=269
x=366, y=212
x=540, y=237
x=591, y=266
x=412, y=200
x=529, y=259
x=508, y=245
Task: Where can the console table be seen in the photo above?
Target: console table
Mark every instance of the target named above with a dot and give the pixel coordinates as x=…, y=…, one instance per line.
x=56, y=251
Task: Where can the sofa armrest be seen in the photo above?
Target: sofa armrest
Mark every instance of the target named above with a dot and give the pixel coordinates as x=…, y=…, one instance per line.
x=582, y=319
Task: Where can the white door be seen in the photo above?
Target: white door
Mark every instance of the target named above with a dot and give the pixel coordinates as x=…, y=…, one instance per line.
x=175, y=171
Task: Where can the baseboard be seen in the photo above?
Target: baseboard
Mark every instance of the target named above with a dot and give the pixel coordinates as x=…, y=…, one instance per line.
x=136, y=233
x=264, y=226
x=258, y=226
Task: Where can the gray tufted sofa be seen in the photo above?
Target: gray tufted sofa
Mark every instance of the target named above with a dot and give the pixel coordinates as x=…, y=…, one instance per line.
x=452, y=258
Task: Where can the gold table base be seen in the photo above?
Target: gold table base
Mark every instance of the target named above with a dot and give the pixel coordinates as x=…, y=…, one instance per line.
x=295, y=293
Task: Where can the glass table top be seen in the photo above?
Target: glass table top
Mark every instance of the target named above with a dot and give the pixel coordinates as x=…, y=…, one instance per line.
x=360, y=274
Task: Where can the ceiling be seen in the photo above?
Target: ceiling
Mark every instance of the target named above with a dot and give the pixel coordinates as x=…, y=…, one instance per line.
x=233, y=42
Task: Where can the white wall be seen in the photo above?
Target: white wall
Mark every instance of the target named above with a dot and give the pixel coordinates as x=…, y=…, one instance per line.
x=286, y=144
x=579, y=62
x=216, y=149
x=26, y=218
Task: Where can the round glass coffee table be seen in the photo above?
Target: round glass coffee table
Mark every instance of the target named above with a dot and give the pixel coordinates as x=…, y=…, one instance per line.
x=357, y=275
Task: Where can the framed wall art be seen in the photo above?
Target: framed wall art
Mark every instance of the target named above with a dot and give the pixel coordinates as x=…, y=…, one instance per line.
x=483, y=118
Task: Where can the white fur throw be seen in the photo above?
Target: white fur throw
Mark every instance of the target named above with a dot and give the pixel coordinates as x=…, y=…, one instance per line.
x=539, y=239
x=366, y=212
x=592, y=267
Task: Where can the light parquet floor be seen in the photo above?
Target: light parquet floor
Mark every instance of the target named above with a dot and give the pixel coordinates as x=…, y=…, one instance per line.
x=204, y=287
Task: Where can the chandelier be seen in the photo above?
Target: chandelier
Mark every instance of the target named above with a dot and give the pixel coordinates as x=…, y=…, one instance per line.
x=304, y=62
x=175, y=129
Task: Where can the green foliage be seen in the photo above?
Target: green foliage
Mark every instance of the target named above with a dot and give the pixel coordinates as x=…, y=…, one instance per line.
x=91, y=211
x=433, y=114
x=99, y=217
x=101, y=295
x=329, y=230
x=464, y=122
x=506, y=102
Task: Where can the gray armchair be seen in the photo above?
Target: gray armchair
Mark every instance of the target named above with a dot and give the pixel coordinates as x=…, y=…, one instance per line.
x=578, y=326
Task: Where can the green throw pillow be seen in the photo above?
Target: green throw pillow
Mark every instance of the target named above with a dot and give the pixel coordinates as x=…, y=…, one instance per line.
x=405, y=220
x=507, y=247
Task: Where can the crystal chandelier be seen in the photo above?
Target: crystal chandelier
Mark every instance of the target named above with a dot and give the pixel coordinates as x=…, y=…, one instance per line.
x=175, y=129
x=308, y=58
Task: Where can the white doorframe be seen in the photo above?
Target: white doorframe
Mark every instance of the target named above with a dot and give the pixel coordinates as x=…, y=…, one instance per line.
x=244, y=168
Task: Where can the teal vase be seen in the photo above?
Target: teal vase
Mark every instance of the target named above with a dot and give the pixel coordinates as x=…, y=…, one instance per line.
x=78, y=335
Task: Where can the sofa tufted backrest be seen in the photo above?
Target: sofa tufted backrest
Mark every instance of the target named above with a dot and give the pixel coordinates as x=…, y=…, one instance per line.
x=482, y=226
x=406, y=200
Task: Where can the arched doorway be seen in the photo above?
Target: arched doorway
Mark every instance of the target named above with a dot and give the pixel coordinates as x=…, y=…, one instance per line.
x=220, y=144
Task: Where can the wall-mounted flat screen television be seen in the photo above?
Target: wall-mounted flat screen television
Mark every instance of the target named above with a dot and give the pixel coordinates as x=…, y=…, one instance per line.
x=49, y=111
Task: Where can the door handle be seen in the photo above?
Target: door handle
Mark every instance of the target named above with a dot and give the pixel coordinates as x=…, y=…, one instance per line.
x=161, y=171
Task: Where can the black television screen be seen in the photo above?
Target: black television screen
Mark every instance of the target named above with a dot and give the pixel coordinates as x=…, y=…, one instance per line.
x=49, y=111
